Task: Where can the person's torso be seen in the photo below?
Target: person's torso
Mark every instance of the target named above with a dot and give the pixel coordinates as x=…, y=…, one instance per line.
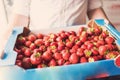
x=57, y=13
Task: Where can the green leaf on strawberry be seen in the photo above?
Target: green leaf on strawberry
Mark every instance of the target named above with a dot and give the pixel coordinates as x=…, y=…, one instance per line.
x=88, y=53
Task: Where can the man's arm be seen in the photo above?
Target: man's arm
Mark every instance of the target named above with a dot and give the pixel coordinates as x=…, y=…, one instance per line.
x=16, y=20
x=97, y=13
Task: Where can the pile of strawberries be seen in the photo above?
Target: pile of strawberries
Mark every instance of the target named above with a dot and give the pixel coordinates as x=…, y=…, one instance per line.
x=64, y=48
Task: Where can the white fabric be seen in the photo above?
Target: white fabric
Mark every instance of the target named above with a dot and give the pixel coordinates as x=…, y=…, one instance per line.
x=55, y=13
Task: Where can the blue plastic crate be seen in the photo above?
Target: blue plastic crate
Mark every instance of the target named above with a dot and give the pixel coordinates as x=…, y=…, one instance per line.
x=9, y=71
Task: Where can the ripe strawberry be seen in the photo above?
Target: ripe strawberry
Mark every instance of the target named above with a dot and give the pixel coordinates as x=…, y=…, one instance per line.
x=23, y=48
x=110, y=47
x=57, y=55
x=32, y=37
x=60, y=62
x=111, y=55
x=52, y=63
x=32, y=46
x=90, y=46
x=78, y=43
x=84, y=46
x=105, y=34
x=67, y=63
x=47, y=56
x=38, y=42
x=74, y=58
x=117, y=61
x=36, y=58
x=73, y=50
x=109, y=40
x=18, y=63
x=80, y=52
x=41, y=65
x=26, y=64
x=18, y=50
x=20, y=56
x=42, y=48
x=83, y=60
x=90, y=31
x=63, y=35
x=66, y=56
x=28, y=43
x=81, y=29
x=96, y=38
x=97, y=30
x=21, y=40
x=40, y=36
x=72, y=33
x=46, y=43
x=59, y=39
x=52, y=36
x=27, y=52
x=95, y=51
x=103, y=50
x=72, y=38
x=69, y=44
x=101, y=42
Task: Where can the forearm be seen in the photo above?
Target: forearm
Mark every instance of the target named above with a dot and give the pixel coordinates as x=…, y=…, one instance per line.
x=16, y=20
x=97, y=14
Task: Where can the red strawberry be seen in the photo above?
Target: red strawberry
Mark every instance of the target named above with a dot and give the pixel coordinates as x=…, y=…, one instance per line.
x=32, y=37
x=66, y=56
x=52, y=63
x=95, y=51
x=67, y=63
x=83, y=60
x=21, y=40
x=40, y=36
x=117, y=61
x=38, y=42
x=111, y=55
x=61, y=62
x=41, y=65
x=57, y=55
x=47, y=56
x=74, y=58
x=32, y=46
x=109, y=40
x=103, y=50
x=36, y=58
x=80, y=52
x=27, y=52
x=26, y=63
x=28, y=43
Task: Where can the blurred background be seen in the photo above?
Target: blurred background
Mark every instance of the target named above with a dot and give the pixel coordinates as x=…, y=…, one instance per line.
x=111, y=7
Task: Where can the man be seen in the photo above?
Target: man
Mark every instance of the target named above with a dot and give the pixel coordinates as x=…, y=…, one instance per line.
x=42, y=14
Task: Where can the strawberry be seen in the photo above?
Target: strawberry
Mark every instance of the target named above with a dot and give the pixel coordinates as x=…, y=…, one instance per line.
x=83, y=60
x=117, y=61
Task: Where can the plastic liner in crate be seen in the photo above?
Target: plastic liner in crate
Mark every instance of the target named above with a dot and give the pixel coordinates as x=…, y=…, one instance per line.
x=9, y=71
